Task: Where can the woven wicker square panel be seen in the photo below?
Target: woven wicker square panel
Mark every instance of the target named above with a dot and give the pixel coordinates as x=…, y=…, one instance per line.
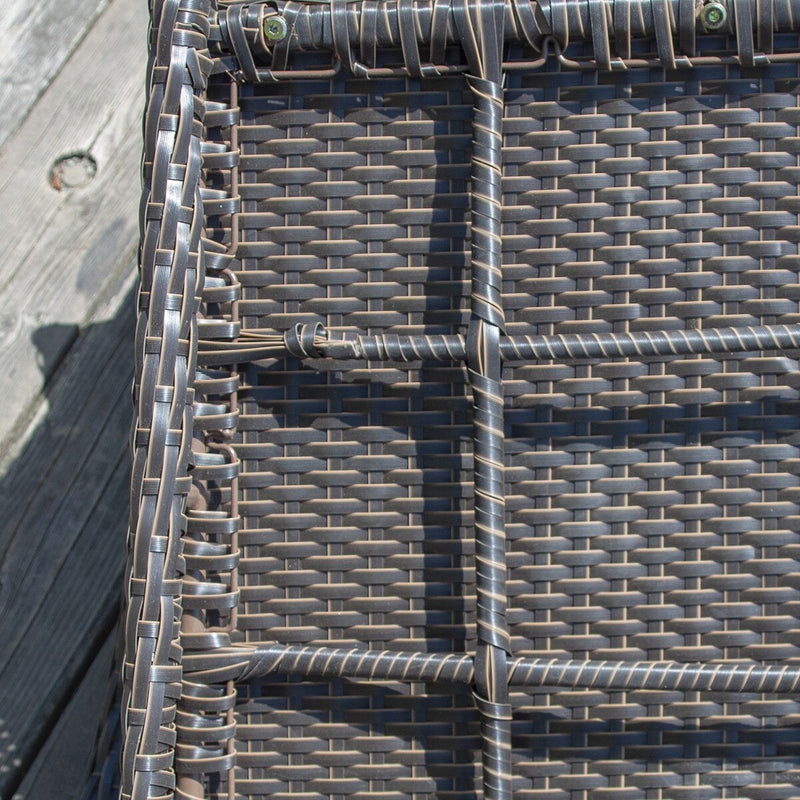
x=467, y=453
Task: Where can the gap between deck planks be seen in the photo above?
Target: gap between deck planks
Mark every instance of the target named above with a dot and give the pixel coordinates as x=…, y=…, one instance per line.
x=61, y=574
x=68, y=754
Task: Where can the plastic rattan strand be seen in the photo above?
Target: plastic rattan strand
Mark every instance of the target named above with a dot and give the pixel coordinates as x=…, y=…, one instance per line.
x=467, y=403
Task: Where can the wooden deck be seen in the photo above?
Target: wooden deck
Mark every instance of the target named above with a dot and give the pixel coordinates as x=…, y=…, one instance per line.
x=72, y=81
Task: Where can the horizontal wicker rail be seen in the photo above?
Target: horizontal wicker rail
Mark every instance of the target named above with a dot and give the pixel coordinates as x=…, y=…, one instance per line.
x=311, y=341
x=357, y=32
x=243, y=663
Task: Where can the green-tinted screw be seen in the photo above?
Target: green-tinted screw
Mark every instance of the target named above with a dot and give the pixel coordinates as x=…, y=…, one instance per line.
x=275, y=28
x=713, y=16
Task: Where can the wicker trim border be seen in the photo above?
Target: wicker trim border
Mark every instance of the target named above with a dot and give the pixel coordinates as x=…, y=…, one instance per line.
x=172, y=268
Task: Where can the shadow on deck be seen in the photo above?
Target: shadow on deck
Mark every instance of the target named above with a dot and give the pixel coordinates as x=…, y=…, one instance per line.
x=64, y=506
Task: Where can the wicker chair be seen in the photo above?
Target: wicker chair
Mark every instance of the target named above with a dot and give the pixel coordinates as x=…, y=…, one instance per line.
x=468, y=439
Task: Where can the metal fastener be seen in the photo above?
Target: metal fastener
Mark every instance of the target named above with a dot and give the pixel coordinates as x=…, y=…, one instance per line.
x=275, y=28
x=713, y=16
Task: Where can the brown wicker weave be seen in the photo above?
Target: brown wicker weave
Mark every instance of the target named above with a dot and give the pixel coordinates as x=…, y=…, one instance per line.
x=468, y=439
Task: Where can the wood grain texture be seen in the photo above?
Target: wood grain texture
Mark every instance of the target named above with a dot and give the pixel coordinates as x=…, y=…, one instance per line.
x=62, y=765
x=66, y=327
x=63, y=548
x=65, y=247
x=36, y=39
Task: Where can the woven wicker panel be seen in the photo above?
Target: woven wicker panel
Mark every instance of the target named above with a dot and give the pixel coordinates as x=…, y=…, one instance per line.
x=355, y=488
x=364, y=471
x=651, y=506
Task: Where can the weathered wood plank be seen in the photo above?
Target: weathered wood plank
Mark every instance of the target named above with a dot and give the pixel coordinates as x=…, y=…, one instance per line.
x=63, y=498
x=35, y=40
x=64, y=248
x=62, y=552
x=65, y=761
x=66, y=328
x=77, y=396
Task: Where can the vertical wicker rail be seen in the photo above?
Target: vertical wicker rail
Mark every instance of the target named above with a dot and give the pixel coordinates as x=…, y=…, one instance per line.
x=481, y=31
x=267, y=550
x=166, y=341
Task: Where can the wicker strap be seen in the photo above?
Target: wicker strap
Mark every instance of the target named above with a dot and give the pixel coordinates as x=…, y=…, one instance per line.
x=357, y=31
x=480, y=27
x=244, y=663
x=171, y=277
x=311, y=341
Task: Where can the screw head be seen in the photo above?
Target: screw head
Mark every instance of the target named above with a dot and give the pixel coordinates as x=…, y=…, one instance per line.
x=713, y=16
x=275, y=28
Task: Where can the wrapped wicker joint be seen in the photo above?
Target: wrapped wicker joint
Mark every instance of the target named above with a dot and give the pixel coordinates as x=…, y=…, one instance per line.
x=468, y=440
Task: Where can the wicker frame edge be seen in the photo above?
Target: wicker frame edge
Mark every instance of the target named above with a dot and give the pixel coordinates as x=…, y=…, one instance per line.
x=171, y=276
